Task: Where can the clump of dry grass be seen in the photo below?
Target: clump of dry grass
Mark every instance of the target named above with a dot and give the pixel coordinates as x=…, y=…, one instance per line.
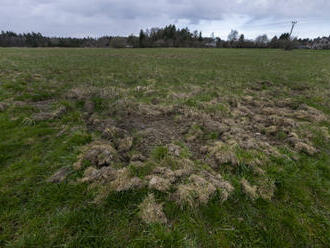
x=200, y=189
x=159, y=184
x=266, y=189
x=124, y=181
x=303, y=147
x=174, y=150
x=306, y=112
x=223, y=153
x=248, y=189
x=100, y=176
x=59, y=175
x=42, y=116
x=194, y=134
x=325, y=132
x=116, y=180
x=151, y=212
x=125, y=144
x=80, y=93
x=98, y=153
x=89, y=174
x=165, y=173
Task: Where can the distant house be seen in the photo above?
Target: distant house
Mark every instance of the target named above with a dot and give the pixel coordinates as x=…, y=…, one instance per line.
x=307, y=46
x=211, y=44
x=321, y=43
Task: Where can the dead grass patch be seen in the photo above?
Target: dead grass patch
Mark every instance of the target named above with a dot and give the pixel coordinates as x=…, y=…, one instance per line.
x=151, y=212
x=200, y=188
x=248, y=189
x=237, y=131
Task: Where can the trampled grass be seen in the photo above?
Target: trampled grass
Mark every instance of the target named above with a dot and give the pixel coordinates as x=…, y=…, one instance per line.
x=43, y=128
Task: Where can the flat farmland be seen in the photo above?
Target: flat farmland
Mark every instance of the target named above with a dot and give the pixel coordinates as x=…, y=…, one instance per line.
x=164, y=148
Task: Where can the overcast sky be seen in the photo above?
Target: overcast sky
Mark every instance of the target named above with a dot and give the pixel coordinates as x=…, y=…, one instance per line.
x=95, y=18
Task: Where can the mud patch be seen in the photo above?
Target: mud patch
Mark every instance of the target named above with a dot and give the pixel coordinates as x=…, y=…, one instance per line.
x=195, y=141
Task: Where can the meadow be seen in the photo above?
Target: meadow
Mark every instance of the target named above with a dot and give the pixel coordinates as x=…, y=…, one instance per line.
x=164, y=148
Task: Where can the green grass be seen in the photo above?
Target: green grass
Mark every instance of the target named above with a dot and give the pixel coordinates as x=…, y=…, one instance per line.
x=34, y=213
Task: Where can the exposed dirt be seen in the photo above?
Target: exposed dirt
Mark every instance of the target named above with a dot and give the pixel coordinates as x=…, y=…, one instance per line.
x=236, y=131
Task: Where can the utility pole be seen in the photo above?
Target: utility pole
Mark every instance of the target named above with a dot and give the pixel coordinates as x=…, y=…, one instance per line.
x=293, y=24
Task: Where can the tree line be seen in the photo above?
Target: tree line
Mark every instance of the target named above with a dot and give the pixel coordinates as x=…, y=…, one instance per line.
x=168, y=36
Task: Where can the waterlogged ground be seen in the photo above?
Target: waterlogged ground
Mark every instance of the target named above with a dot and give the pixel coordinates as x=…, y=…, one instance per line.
x=164, y=148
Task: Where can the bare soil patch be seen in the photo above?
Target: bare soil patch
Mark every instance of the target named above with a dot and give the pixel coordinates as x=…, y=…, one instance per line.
x=193, y=142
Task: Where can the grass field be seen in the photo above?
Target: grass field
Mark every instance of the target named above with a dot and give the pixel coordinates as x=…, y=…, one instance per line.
x=259, y=118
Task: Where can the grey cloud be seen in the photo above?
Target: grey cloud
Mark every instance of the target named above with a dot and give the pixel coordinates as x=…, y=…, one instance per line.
x=84, y=17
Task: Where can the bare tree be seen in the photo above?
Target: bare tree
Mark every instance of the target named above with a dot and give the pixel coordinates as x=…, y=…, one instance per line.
x=233, y=35
x=262, y=40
